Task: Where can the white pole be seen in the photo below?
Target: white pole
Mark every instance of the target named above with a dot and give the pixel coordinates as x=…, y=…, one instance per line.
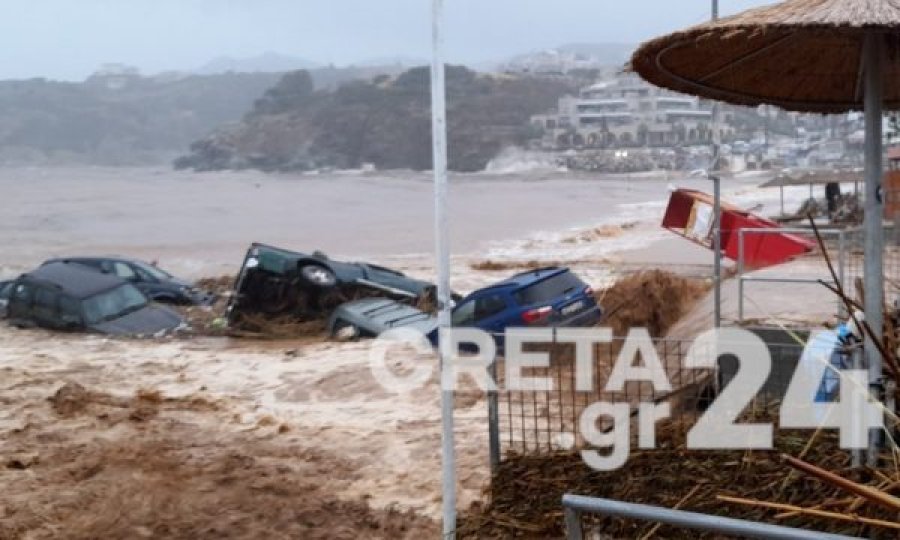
x=442, y=249
x=873, y=268
x=717, y=207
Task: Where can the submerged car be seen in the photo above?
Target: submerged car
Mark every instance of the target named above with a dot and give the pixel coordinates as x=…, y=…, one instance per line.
x=275, y=281
x=158, y=285
x=552, y=296
x=369, y=317
x=70, y=297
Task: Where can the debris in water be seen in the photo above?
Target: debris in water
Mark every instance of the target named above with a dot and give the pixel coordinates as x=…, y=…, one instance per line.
x=652, y=299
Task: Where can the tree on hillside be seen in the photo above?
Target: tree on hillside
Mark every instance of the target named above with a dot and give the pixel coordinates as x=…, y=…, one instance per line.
x=292, y=91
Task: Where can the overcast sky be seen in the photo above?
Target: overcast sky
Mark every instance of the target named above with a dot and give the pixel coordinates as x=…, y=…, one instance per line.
x=69, y=39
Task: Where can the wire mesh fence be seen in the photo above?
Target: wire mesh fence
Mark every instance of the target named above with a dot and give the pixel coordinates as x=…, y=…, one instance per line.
x=855, y=258
x=547, y=421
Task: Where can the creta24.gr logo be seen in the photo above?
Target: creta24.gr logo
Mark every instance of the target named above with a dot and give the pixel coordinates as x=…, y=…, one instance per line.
x=472, y=351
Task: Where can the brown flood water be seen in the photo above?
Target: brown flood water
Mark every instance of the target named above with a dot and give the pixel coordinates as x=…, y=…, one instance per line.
x=297, y=438
x=200, y=224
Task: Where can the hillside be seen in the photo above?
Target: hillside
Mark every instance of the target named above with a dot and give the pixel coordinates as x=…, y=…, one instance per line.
x=385, y=122
x=119, y=117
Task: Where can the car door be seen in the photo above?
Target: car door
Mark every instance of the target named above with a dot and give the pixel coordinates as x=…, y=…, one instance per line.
x=125, y=271
x=485, y=312
x=70, y=315
x=44, y=309
x=490, y=313
x=148, y=284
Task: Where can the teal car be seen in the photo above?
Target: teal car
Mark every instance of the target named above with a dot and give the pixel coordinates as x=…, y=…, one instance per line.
x=276, y=281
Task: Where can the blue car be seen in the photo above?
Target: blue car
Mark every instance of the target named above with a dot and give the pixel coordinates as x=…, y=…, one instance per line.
x=552, y=296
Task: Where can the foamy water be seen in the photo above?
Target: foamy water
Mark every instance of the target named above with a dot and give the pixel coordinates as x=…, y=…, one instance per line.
x=200, y=224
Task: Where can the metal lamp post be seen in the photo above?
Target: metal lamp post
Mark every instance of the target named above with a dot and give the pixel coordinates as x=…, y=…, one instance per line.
x=442, y=252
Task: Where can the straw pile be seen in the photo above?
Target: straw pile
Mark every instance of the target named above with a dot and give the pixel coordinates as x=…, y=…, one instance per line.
x=524, y=500
x=652, y=299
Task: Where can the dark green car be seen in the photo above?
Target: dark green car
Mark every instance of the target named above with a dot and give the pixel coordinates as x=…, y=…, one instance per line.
x=276, y=281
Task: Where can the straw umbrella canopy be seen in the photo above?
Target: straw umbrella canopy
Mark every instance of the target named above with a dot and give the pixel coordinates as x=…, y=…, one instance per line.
x=800, y=55
x=826, y=56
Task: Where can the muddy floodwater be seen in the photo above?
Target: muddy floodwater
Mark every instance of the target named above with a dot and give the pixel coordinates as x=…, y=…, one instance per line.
x=200, y=223
x=104, y=438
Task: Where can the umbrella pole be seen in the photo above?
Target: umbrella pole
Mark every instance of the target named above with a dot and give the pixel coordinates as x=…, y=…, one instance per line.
x=442, y=249
x=874, y=233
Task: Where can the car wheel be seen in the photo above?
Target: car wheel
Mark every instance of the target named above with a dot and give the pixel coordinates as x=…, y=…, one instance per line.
x=318, y=276
x=344, y=331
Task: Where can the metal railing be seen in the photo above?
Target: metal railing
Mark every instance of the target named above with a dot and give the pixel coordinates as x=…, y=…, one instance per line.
x=576, y=505
x=742, y=278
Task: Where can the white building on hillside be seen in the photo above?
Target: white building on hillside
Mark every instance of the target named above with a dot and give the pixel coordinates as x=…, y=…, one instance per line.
x=626, y=112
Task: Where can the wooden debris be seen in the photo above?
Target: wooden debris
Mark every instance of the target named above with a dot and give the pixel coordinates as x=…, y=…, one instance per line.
x=524, y=498
x=888, y=501
x=811, y=512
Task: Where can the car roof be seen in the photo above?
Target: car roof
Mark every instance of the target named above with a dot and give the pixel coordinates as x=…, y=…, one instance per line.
x=527, y=278
x=93, y=258
x=74, y=279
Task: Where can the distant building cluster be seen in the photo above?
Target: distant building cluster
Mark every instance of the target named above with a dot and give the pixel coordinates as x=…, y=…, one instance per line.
x=624, y=122
x=625, y=112
x=553, y=62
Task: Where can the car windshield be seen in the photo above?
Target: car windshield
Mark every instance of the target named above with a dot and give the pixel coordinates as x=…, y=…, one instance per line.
x=549, y=289
x=153, y=271
x=113, y=303
x=5, y=289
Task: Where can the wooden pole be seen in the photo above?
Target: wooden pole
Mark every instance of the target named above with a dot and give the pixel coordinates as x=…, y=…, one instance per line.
x=811, y=512
x=867, y=492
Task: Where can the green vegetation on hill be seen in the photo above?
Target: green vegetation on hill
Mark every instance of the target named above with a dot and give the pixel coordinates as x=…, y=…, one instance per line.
x=123, y=118
x=384, y=121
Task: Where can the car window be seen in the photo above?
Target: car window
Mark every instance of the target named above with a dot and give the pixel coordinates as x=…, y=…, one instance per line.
x=143, y=274
x=114, y=303
x=124, y=271
x=549, y=289
x=90, y=263
x=152, y=271
x=489, y=305
x=464, y=314
x=385, y=270
x=5, y=290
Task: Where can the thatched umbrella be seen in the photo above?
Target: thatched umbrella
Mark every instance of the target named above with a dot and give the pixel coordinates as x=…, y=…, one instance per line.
x=826, y=56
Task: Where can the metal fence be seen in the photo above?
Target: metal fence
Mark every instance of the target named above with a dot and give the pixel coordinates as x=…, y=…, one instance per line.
x=545, y=421
x=855, y=258
x=835, y=242
x=542, y=422
x=845, y=249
